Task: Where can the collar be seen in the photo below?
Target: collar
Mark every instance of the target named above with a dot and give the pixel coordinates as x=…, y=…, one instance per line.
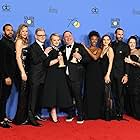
x=40, y=43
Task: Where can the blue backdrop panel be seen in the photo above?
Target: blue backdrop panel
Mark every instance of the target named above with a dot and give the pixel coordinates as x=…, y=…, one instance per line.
x=78, y=16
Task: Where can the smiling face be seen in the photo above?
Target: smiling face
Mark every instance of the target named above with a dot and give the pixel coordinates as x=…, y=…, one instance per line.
x=93, y=40
x=55, y=40
x=24, y=32
x=132, y=43
x=8, y=32
x=40, y=36
x=119, y=35
x=68, y=38
x=106, y=41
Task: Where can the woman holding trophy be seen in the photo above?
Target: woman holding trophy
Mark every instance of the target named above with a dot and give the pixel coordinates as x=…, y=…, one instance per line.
x=56, y=92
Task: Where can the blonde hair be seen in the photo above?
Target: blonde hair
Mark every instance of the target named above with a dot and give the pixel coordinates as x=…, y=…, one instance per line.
x=54, y=34
x=18, y=34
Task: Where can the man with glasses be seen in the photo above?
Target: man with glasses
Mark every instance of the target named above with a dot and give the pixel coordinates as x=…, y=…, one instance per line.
x=38, y=58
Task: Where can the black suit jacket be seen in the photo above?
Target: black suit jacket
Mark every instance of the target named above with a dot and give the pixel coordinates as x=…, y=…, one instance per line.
x=121, y=50
x=8, y=61
x=76, y=70
x=38, y=61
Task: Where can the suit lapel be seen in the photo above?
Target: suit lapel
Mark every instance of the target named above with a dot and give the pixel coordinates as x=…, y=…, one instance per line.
x=72, y=51
x=38, y=47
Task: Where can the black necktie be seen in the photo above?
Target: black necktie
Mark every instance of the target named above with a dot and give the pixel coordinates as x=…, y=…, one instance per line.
x=44, y=47
x=69, y=46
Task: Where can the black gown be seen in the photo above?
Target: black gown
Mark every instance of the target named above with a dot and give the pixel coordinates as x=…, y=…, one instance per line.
x=134, y=89
x=93, y=98
x=56, y=92
x=22, y=106
x=108, y=98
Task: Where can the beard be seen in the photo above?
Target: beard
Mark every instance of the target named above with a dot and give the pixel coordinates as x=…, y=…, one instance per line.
x=120, y=39
x=9, y=36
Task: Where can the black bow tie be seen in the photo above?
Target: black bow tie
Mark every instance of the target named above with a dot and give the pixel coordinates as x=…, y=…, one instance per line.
x=69, y=46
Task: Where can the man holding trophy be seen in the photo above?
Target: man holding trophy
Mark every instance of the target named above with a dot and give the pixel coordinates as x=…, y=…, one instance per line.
x=75, y=56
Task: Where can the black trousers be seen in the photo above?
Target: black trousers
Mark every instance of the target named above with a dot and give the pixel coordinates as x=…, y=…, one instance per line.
x=4, y=95
x=118, y=94
x=76, y=93
x=35, y=96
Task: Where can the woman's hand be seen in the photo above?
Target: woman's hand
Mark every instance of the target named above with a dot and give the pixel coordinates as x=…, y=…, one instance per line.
x=128, y=60
x=107, y=79
x=24, y=76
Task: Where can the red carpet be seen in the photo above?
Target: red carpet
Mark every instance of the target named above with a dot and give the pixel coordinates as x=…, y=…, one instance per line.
x=90, y=130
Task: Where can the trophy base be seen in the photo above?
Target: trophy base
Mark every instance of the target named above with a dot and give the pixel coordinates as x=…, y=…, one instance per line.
x=74, y=62
x=61, y=66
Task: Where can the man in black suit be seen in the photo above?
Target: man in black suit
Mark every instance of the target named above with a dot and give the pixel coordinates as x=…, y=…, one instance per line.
x=39, y=58
x=75, y=57
x=119, y=71
x=8, y=70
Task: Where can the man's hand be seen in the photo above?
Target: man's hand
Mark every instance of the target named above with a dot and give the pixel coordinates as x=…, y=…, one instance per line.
x=124, y=79
x=77, y=55
x=48, y=49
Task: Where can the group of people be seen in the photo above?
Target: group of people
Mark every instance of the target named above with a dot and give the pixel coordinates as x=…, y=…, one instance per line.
x=84, y=82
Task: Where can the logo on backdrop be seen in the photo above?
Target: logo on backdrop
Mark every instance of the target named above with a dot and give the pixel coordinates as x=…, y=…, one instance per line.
x=53, y=10
x=74, y=22
x=95, y=10
x=29, y=20
x=6, y=8
x=115, y=22
x=136, y=12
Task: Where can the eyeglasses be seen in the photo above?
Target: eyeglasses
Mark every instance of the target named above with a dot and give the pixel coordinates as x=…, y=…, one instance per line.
x=41, y=35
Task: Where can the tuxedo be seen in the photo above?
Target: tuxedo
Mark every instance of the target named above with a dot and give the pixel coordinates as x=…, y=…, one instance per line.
x=38, y=60
x=9, y=67
x=75, y=74
x=119, y=69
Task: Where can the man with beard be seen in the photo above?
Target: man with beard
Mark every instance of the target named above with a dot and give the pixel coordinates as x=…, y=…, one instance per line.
x=8, y=70
x=119, y=71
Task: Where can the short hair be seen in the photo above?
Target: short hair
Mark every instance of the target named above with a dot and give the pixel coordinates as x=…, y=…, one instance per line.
x=93, y=33
x=54, y=34
x=132, y=37
x=66, y=31
x=4, y=27
x=118, y=29
x=39, y=29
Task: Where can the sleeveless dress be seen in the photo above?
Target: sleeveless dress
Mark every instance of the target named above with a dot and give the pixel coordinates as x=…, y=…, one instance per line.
x=108, y=98
x=94, y=87
x=22, y=106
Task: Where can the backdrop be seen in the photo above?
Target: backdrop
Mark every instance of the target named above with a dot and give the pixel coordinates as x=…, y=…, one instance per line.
x=78, y=16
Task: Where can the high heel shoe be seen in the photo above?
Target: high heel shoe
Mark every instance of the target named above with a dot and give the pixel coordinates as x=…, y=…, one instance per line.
x=54, y=121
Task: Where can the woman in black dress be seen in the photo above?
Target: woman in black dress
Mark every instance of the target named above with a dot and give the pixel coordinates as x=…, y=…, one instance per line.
x=56, y=92
x=93, y=97
x=106, y=61
x=21, y=56
x=134, y=78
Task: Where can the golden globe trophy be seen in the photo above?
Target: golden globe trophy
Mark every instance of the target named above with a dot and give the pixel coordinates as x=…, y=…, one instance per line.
x=74, y=60
x=61, y=60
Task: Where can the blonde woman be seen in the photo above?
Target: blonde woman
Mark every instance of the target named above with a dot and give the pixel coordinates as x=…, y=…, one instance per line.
x=21, y=44
x=56, y=92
